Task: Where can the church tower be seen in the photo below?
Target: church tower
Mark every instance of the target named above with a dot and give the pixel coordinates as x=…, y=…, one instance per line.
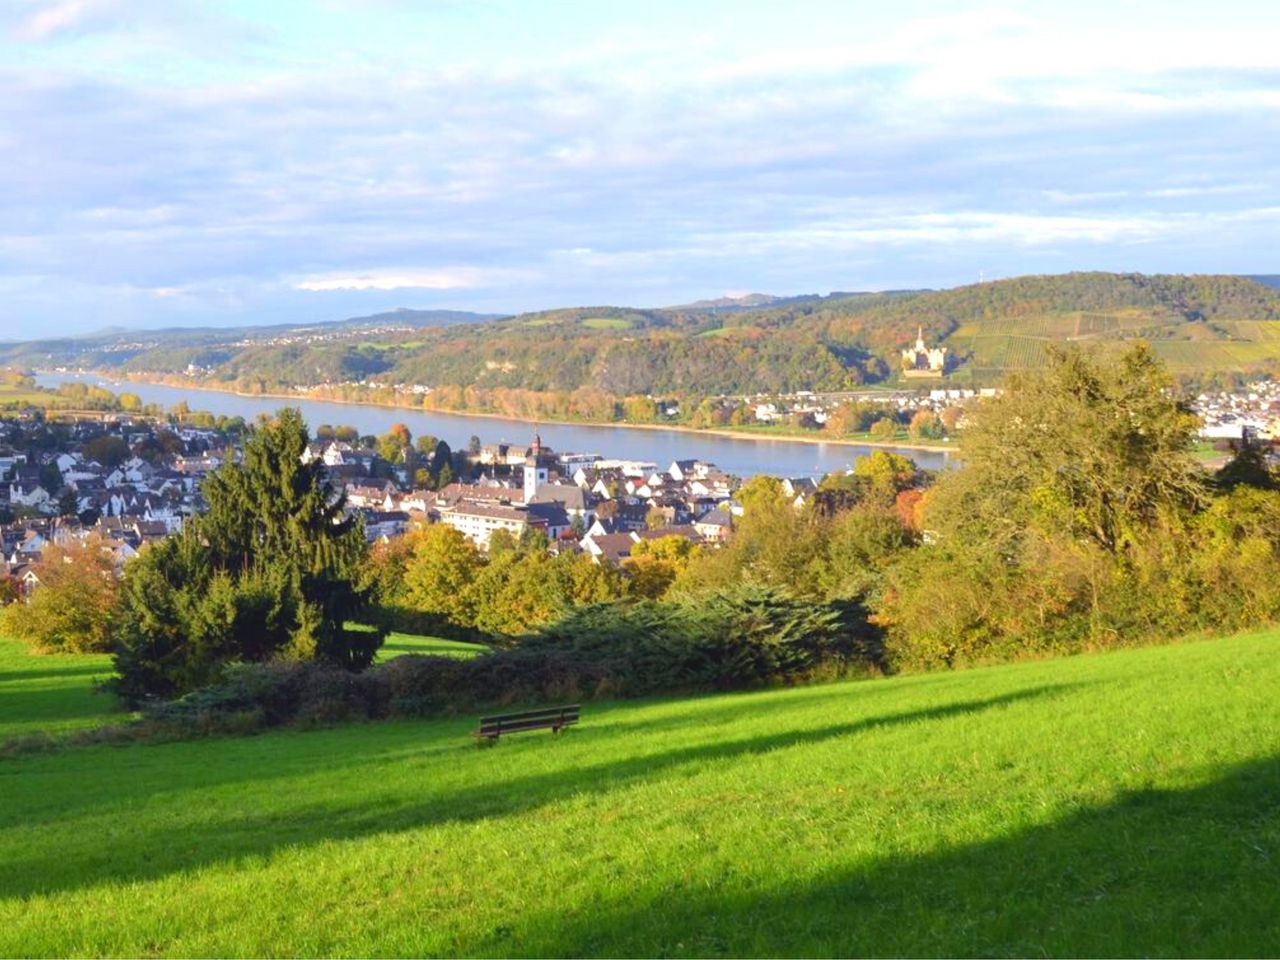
x=535, y=470
x=923, y=360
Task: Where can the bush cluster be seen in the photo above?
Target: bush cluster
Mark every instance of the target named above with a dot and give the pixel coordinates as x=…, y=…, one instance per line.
x=1079, y=520
x=737, y=640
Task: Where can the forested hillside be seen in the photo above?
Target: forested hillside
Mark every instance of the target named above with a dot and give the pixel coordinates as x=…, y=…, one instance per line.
x=1198, y=324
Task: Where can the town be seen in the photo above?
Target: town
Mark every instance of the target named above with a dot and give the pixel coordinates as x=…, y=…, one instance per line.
x=129, y=481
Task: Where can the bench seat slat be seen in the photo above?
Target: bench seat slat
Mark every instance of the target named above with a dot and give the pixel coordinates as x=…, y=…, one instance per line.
x=529, y=724
x=531, y=714
x=553, y=718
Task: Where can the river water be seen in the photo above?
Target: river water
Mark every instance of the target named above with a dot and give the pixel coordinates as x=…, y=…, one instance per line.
x=743, y=457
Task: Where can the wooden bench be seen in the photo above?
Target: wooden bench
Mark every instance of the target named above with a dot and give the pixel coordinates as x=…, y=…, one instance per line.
x=553, y=718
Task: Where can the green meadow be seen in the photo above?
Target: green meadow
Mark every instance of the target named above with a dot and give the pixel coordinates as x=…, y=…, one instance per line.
x=1116, y=804
x=13, y=397
x=52, y=694
x=398, y=644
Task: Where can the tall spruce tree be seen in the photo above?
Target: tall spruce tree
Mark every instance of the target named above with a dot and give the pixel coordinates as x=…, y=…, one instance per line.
x=272, y=569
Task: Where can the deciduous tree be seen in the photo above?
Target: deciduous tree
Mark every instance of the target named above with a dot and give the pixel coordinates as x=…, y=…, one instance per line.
x=73, y=609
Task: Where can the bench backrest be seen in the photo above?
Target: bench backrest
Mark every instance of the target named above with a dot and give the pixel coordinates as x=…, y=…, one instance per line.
x=529, y=720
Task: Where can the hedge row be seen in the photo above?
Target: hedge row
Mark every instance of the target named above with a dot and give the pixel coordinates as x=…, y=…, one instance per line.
x=740, y=640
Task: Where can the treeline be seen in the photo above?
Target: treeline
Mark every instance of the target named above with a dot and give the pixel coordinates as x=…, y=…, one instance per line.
x=21, y=391
x=548, y=359
x=1080, y=520
x=823, y=344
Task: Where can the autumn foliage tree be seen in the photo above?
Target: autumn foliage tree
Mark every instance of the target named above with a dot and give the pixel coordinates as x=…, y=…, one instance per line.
x=441, y=582
x=1072, y=520
x=73, y=608
x=655, y=564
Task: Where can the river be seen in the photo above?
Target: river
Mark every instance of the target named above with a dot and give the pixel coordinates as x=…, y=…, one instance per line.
x=740, y=456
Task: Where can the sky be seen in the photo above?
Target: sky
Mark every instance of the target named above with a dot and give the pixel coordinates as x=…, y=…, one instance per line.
x=171, y=163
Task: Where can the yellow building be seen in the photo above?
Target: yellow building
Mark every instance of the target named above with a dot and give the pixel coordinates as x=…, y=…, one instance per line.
x=922, y=361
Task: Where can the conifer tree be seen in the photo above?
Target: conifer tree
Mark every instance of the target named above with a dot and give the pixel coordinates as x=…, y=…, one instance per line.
x=273, y=569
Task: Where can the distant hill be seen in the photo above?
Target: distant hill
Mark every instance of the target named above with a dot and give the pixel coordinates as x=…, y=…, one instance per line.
x=419, y=318
x=1268, y=279
x=758, y=301
x=758, y=344
x=401, y=316
x=747, y=300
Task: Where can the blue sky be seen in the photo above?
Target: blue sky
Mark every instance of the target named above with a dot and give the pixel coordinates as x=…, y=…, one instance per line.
x=180, y=163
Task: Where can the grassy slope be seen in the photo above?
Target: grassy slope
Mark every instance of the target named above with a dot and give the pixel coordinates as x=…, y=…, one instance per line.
x=398, y=644
x=51, y=693
x=54, y=693
x=1117, y=804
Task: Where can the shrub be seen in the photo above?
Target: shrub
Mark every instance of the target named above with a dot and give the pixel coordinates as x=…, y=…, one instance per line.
x=73, y=609
x=741, y=639
x=421, y=685
x=255, y=695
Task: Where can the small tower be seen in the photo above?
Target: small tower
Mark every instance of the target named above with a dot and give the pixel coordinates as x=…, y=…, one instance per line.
x=535, y=470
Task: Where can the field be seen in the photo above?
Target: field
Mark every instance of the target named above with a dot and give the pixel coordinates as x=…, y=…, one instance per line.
x=13, y=397
x=1126, y=803
x=51, y=693
x=994, y=346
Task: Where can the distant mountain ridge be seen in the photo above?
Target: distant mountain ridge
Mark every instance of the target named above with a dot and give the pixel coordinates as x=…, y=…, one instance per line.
x=758, y=301
x=759, y=344
x=403, y=316
x=420, y=318
x=745, y=301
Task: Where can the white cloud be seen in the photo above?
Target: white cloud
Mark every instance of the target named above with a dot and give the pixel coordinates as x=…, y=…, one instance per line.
x=662, y=161
x=446, y=278
x=52, y=19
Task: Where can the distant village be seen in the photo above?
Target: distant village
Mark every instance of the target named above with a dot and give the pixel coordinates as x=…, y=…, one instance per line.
x=1253, y=411
x=128, y=481
x=62, y=492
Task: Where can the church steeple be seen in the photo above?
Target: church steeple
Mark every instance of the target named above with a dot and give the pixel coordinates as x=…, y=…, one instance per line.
x=535, y=470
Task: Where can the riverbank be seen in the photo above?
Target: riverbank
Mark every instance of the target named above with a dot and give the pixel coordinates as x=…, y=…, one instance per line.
x=756, y=435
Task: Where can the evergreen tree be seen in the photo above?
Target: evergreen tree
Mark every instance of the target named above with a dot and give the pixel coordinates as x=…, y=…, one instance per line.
x=272, y=569
x=1248, y=467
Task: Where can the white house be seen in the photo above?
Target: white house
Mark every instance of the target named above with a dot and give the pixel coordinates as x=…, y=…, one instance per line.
x=28, y=495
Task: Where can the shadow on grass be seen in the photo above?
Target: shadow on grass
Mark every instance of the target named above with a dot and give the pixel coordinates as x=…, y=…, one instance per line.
x=1191, y=872
x=149, y=852
x=70, y=673
x=708, y=709
x=56, y=704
